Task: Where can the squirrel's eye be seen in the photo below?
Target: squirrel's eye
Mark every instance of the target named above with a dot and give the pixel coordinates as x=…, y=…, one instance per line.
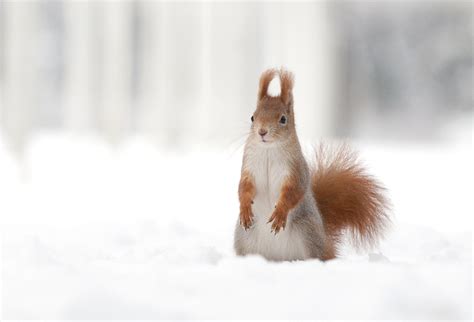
x=283, y=119
x=251, y=119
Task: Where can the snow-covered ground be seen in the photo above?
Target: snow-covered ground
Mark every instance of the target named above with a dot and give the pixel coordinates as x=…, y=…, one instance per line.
x=95, y=232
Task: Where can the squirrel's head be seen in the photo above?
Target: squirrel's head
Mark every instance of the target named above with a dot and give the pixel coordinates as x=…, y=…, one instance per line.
x=273, y=121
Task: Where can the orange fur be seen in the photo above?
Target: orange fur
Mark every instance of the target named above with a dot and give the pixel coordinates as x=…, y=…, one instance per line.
x=265, y=79
x=286, y=81
x=348, y=198
x=246, y=194
x=290, y=195
x=286, y=84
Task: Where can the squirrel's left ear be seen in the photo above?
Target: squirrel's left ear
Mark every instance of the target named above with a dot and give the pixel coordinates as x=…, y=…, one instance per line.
x=265, y=79
x=286, y=81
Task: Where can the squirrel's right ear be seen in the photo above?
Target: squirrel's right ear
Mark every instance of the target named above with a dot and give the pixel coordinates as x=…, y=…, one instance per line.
x=265, y=79
x=286, y=81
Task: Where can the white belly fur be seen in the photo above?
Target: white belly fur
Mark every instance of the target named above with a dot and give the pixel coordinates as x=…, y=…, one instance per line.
x=269, y=168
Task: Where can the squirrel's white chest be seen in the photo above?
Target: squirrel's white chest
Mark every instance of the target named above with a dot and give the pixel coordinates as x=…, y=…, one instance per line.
x=269, y=168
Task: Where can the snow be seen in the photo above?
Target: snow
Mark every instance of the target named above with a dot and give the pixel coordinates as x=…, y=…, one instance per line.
x=91, y=231
x=274, y=88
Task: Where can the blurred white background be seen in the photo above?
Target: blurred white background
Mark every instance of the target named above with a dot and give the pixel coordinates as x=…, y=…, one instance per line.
x=185, y=73
x=121, y=132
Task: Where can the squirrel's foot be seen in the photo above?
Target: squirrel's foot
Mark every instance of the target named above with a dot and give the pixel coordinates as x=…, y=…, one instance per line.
x=278, y=220
x=246, y=218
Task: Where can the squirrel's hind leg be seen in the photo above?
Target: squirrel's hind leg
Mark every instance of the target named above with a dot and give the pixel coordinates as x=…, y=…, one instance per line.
x=310, y=227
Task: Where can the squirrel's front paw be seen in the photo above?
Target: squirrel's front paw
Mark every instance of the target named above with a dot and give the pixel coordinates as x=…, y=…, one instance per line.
x=279, y=221
x=246, y=217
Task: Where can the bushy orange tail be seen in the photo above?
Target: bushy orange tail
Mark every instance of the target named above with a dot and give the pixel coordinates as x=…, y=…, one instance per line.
x=349, y=199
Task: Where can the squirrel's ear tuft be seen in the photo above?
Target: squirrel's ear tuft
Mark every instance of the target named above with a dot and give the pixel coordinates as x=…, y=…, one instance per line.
x=265, y=79
x=286, y=81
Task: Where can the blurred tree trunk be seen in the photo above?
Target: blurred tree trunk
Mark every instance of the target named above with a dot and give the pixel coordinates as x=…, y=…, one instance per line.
x=116, y=68
x=235, y=63
x=151, y=79
x=169, y=76
x=296, y=37
x=20, y=68
x=81, y=81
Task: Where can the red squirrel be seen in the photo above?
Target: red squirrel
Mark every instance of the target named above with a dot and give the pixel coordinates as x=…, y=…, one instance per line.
x=289, y=210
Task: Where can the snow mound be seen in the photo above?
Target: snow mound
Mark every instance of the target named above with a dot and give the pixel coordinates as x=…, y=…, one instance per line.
x=95, y=232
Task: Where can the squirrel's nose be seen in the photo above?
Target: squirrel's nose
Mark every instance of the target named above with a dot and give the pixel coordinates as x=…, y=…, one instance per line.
x=262, y=132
